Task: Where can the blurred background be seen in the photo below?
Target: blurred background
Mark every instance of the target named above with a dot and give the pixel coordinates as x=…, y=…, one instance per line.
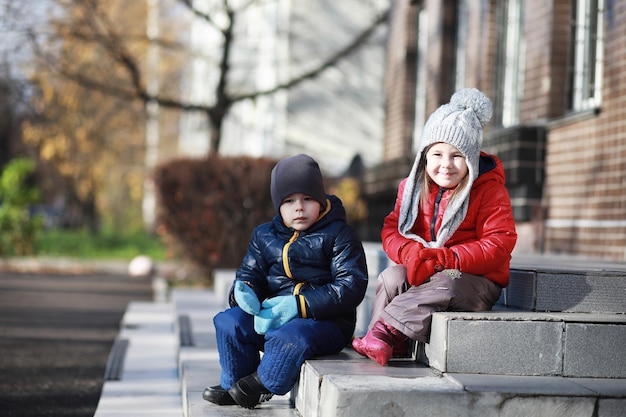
x=97, y=95
x=150, y=127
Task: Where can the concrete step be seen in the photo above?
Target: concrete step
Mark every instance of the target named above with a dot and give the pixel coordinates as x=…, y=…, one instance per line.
x=356, y=387
x=527, y=343
x=146, y=382
x=566, y=284
x=349, y=385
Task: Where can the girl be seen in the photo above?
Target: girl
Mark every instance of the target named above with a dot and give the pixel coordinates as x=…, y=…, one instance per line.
x=451, y=231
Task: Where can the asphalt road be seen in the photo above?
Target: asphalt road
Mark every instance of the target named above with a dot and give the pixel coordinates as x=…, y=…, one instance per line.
x=56, y=332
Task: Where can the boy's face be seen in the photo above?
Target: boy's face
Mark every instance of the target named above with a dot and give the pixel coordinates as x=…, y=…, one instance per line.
x=445, y=165
x=300, y=211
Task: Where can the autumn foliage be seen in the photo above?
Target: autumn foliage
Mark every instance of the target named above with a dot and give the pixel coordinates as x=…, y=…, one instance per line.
x=208, y=207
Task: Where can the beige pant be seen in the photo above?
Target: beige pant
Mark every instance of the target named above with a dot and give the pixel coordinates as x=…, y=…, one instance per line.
x=410, y=308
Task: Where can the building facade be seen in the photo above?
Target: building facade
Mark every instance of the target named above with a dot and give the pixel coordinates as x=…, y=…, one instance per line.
x=556, y=73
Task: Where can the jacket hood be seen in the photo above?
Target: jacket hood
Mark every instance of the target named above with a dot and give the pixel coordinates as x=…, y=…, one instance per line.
x=490, y=168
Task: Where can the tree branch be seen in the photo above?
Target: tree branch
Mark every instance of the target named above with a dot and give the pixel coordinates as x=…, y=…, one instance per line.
x=329, y=62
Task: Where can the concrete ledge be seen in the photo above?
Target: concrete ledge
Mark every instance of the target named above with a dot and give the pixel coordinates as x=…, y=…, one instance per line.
x=316, y=388
x=495, y=343
x=115, y=363
x=347, y=396
x=525, y=343
x=360, y=388
x=354, y=389
x=147, y=381
x=222, y=281
x=565, y=284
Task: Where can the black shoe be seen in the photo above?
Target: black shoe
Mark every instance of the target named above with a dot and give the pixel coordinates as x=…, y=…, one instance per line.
x=218, y=395
x=249, y=391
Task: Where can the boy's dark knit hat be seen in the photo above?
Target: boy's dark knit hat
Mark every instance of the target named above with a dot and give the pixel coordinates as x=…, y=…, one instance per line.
x=297, y=174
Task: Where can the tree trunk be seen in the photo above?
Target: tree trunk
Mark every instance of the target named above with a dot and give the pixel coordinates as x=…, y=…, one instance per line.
x=216, y=120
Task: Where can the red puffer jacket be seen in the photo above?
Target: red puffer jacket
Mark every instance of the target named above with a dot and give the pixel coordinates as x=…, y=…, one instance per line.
x=486, y=237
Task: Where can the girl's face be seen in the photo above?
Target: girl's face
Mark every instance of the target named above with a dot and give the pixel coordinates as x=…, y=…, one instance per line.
x=300, y=211
x=445, y=165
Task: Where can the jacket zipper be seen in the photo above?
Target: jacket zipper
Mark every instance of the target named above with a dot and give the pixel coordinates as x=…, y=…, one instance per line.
x=285, y=252
x=433, y=222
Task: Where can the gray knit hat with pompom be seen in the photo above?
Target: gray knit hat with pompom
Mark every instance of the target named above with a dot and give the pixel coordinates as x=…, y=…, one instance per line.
x=459, y=123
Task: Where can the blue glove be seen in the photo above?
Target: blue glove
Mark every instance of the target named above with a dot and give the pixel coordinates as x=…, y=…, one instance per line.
x=246, y=298
x=275, y=312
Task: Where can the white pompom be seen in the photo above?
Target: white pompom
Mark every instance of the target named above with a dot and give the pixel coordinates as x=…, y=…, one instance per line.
x=471, y=98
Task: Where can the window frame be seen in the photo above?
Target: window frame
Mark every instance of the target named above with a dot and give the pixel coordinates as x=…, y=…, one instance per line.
x=510, y=54
x=419, y=117
x=587, y=50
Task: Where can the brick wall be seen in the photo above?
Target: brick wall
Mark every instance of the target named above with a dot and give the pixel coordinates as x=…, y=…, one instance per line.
x=585, y=194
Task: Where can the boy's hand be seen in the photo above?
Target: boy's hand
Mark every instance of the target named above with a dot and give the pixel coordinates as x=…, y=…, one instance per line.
x=246, y=298
x=275, y=312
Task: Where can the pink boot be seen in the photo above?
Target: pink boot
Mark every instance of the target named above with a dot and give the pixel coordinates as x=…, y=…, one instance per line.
x=379, y=342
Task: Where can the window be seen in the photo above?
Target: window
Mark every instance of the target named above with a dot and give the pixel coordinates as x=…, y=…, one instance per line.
x=420, y=81
x=461, y=44
x=587, y=48
x=509, y=62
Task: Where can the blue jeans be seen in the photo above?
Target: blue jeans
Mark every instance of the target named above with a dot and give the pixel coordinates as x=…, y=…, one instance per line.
x=284, y=350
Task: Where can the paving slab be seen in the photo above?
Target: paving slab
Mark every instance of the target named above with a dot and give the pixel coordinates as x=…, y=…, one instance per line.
x=151, y=396
x=149, y=383
x=197, y=374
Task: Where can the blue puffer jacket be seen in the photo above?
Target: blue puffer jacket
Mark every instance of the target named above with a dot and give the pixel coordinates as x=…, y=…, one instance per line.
x=323, y=266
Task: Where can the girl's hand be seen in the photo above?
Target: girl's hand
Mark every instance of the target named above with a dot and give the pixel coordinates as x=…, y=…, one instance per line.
x=445, y=258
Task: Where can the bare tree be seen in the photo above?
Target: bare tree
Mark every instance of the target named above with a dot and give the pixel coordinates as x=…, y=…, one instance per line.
x=92, y=24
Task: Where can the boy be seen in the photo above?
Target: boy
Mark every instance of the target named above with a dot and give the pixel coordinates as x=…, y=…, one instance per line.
x=295, y=294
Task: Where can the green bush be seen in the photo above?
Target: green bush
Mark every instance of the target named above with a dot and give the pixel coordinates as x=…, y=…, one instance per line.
x=209, y=207
x=18, y=228
x=84, y=244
